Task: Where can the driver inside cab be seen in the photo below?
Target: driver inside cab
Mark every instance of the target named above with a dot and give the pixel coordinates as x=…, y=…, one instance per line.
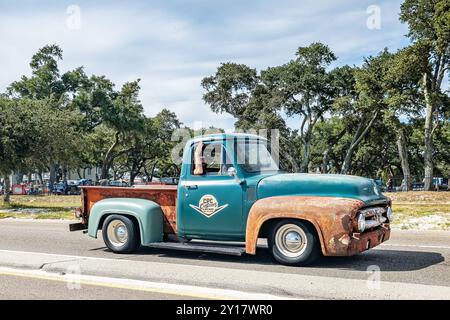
x=210, y=159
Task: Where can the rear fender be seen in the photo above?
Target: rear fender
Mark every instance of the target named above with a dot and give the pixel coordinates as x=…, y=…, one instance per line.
x=147, y=213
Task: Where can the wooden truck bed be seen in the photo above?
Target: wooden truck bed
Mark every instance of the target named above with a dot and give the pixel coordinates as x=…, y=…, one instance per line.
x=164, y=195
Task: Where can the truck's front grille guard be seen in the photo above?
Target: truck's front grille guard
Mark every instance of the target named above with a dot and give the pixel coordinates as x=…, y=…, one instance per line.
x=375, y=216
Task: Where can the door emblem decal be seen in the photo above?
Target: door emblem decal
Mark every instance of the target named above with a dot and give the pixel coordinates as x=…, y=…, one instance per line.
x=208, y=206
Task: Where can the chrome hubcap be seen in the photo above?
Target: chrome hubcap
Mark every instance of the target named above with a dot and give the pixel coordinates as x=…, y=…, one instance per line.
x=117, y=233
x=291, y=240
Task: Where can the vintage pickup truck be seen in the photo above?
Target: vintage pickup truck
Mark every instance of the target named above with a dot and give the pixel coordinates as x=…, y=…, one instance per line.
x=231, y=193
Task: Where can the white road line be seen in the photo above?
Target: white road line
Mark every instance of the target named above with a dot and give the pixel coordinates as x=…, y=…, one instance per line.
x=415, y=246
x=34, y=221
x=56, y=255
x=72, y=280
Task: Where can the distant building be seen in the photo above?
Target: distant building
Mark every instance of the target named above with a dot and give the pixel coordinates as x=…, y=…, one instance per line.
x=85, y=173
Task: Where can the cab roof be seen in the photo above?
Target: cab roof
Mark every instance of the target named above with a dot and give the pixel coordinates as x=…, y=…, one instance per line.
x=225, y=136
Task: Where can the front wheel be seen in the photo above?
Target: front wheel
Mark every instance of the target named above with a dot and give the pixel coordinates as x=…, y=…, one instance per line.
x=293, y=242
x=120, y=234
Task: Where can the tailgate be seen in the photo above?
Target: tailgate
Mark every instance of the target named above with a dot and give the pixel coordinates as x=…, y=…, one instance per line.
x=81, y=212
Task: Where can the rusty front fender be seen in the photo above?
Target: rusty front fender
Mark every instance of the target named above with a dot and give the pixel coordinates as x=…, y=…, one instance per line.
x=331, y=217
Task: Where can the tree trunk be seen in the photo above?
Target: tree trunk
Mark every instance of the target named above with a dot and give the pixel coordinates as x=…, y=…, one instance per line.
x=108, y=158
x=133, y=174
x=146, y=174
x=79, y=173
x=403, y=154
x=136, y=170
x=52, y=177
x=306, y=156
x=326, y=159
x=357, y=138
x=428, y=139
x=152, y=173
x=64, y=172
x=346, y=166
x=176, y=169
x=286, y=158
x=326, y=153
x=132, y=177
x=19, y=178
x=391, y=171
x=306, y=139
x=7, y=192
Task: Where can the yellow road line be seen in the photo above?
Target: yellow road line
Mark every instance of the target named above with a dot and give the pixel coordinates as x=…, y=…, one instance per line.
x=60, y=278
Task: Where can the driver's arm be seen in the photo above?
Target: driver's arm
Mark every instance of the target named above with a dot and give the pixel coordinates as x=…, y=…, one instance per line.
x=198, y=163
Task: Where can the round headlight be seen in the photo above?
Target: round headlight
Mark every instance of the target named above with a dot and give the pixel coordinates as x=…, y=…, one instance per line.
x=390, y=214
x=361, y=222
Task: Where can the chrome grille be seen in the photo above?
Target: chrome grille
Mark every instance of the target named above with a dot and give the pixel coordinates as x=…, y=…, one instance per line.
x=375, y=216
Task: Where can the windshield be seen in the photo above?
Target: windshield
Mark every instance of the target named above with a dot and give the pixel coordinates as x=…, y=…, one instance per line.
x=253, y=156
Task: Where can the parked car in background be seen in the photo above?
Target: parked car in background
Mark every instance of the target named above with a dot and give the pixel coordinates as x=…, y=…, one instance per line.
x=85, y=182
x=380, y=183
x=113, y=183
x=72, y=187
x=169, y=180
x=440, y=183
x=69, y=187
x=59, y=188
x=418, y=186
x=34, y=189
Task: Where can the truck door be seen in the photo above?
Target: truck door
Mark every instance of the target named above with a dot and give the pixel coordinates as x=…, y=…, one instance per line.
x=212, y=200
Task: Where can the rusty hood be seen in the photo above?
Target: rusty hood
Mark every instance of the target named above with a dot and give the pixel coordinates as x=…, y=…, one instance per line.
x=323, y=185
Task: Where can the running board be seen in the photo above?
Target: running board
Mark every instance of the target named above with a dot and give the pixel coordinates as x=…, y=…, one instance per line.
x=198, y=247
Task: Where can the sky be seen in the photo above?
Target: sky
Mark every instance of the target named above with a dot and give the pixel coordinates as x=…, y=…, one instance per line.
x=172, y=44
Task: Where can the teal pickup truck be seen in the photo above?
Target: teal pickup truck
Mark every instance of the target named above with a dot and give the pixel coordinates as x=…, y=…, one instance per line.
x=230, y=194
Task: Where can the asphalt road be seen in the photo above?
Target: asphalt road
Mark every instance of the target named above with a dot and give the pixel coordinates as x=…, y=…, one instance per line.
x=14, y=287
x=409, y=257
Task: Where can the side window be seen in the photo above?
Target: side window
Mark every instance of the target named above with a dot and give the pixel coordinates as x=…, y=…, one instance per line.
x=209, y=159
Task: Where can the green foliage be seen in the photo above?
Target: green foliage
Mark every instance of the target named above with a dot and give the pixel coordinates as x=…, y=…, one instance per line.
x=32, y=133
x=348, y=119
x=229, y=90
x=429, y=21
x=351, y=118
x=300, y=87
x=73, y=120
x=149, y=149
x=92, y=96
x=45, y=81
x=124, y=114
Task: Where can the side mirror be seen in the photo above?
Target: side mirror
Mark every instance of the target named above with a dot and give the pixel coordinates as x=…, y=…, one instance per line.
x=232, y=172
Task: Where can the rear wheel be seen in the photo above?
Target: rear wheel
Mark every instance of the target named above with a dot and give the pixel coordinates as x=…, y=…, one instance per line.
x=120, y=234
x=293, y=242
